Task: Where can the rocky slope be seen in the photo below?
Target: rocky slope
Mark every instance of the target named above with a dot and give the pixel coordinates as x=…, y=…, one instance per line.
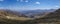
x=12, y=17
x=51, y=18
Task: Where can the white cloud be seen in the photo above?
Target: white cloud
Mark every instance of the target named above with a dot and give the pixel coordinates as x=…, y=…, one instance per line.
x=23, y=1
x=20, y=0
x=37, y=2
x=1, y=0
x=26, y=1
x=17, y=0
x=56, y=6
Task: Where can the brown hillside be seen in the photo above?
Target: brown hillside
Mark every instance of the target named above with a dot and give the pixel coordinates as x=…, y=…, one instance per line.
x=51, y=18
x=12, y=17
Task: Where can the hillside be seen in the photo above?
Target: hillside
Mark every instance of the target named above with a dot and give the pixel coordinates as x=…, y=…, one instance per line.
x=51, y=18
x=38, y=12
x=12, y=17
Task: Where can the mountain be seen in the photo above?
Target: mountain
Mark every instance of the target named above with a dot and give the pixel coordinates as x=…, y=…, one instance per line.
x=38, y=12
x=6, y=12
x=50, y=18
x=12, y=17
x=55, y=14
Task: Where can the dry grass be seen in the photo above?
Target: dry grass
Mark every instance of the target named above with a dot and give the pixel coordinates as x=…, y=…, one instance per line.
x=18, y=18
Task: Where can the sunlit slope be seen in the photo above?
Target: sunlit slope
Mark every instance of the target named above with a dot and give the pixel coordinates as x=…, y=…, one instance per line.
x=51, y=18
x=7, y=15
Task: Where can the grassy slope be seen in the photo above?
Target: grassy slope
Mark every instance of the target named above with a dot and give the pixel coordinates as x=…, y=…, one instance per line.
x=51, y=18
x=10, y=18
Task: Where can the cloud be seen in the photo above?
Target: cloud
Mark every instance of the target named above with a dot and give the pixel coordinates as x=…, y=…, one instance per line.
x=20, y=0
x=56, y=6
x=26, y=1
x=37, y=2
x=1, y=0
x=17, y=0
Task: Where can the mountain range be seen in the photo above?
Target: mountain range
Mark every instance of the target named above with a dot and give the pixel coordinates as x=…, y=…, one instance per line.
x=38, y=12
x=50, y=18
x=13, y=17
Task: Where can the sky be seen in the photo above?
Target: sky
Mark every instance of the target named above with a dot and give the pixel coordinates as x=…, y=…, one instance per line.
x=29, y=4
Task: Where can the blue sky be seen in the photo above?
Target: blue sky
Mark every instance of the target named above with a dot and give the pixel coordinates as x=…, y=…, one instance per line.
x=29, y=4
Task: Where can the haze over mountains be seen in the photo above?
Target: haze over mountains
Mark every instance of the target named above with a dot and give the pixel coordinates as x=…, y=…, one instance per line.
x=51, y=18
x=14, y=17
x=37, y=12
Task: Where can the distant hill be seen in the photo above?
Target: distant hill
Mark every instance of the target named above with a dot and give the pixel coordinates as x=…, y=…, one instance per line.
x=38, y=12
x=55, y=14
x=10, y=12
x=51, y=18
x=12, y=17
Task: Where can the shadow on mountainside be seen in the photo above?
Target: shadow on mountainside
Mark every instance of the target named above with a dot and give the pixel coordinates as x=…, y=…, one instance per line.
x=51, y=18
x=12, y=17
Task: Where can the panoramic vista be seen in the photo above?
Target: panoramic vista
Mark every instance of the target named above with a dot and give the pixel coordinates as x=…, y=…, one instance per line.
x=29, y=11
